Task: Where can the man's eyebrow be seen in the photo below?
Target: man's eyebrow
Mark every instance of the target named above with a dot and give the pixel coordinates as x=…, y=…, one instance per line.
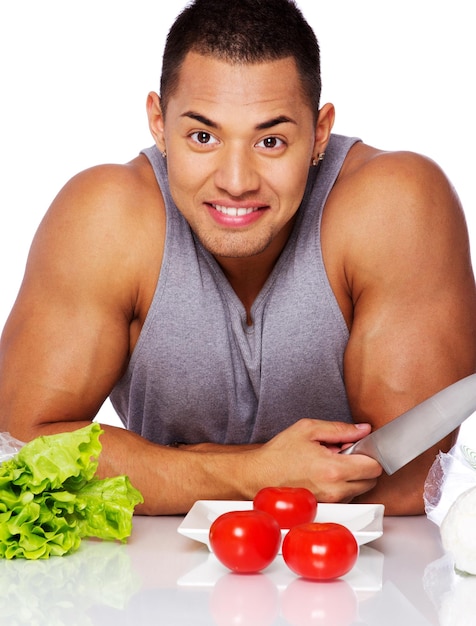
x=275, y=121
x=200, y=118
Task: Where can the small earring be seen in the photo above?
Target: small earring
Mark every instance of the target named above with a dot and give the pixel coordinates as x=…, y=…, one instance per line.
x=164, y=154
x=320, y=157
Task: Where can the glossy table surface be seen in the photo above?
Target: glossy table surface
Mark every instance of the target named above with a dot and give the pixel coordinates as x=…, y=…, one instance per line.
x=162, y=577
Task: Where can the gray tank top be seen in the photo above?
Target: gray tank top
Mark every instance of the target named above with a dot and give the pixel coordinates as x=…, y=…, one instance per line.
x=199, y=373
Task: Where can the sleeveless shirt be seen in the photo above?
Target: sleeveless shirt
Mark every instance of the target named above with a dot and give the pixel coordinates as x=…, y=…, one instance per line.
x=200, y=373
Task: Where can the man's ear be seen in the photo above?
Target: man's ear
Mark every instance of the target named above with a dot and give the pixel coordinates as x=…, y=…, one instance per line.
x=325, y=122
x=156, y=120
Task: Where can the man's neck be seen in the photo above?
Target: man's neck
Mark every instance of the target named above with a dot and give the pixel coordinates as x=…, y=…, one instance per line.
x=248, y=275
x=246, y=278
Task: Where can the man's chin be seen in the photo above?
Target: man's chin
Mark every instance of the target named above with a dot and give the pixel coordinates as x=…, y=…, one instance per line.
x=233, y=247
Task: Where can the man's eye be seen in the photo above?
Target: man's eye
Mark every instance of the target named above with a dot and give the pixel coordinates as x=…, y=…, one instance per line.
x=203, y=138
x=271, y=142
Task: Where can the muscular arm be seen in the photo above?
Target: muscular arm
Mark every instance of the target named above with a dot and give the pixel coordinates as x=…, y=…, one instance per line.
x=409, y=282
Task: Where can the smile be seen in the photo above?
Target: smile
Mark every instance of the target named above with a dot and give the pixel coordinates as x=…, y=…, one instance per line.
x=234, y=211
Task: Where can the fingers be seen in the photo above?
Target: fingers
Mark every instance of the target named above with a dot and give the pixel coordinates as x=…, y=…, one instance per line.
x=344, y=477
x=328, y=432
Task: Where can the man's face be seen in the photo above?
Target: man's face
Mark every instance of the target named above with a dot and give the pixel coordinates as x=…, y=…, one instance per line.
x=239, y=141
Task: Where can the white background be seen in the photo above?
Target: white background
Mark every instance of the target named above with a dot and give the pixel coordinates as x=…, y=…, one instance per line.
x=74, y=76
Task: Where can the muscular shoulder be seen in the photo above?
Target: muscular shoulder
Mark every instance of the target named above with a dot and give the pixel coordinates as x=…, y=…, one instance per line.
x=392, y=195
x=389, y=213
x=104, y=229
x=372, y=181
x=116, y=193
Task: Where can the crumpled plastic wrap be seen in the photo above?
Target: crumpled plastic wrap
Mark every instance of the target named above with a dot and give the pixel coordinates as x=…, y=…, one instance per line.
x=9, y=446
x=451, y=474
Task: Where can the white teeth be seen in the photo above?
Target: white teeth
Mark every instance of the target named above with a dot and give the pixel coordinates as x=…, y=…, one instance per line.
x=233, y=211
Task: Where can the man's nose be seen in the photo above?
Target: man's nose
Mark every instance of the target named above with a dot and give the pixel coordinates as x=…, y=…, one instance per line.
x=236, y=172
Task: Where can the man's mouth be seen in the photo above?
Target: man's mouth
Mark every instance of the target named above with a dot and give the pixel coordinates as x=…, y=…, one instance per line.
x=234, y=211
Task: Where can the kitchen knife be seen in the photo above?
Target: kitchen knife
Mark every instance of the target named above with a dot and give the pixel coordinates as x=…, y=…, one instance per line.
x=407, y=436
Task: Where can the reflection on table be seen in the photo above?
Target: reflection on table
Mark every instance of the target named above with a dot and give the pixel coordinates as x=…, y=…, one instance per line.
x=161, y=577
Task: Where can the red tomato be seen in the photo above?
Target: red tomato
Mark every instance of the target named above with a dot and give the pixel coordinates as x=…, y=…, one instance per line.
x=320, y=551
x=245, y=541
x=290, y=506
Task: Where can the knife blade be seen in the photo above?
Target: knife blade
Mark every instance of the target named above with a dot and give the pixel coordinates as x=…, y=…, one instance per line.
x=407, y=436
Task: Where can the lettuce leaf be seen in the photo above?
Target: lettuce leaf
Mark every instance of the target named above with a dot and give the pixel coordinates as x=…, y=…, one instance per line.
x=50, y=498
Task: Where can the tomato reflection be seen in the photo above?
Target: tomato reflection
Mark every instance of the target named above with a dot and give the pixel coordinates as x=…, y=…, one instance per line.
x=244, y=599
x=311, y=603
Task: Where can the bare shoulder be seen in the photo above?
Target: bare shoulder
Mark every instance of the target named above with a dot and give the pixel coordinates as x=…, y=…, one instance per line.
x=104, y=232
x=393, y=205
x=394, y=221
x=382, y=180
x=118, y=194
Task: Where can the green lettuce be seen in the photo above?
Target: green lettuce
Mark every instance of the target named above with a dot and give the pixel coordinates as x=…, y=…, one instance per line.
x=50, y=498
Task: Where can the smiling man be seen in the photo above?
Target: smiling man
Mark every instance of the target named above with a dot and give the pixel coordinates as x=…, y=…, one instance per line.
x=253, y=292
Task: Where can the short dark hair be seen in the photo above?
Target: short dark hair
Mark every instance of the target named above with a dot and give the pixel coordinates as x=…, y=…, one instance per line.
x=243, y=32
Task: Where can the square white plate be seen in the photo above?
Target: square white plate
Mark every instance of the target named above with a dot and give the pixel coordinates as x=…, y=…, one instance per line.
x=365, y=521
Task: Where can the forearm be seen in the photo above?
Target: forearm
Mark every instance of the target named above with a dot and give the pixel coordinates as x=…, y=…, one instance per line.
x=400, y=497
x=402, y=492
x=171, y=479
x=217, y=447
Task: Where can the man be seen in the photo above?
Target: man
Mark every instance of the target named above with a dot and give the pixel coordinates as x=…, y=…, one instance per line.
x=253, y=292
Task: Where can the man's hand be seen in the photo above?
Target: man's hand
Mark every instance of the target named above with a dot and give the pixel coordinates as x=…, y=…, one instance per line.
x=305, y=455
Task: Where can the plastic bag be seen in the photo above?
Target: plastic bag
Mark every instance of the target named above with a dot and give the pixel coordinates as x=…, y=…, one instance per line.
x=451, y=474
x=9, y=446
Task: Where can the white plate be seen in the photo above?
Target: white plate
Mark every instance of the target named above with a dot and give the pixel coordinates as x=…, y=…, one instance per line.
x=364, y=520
